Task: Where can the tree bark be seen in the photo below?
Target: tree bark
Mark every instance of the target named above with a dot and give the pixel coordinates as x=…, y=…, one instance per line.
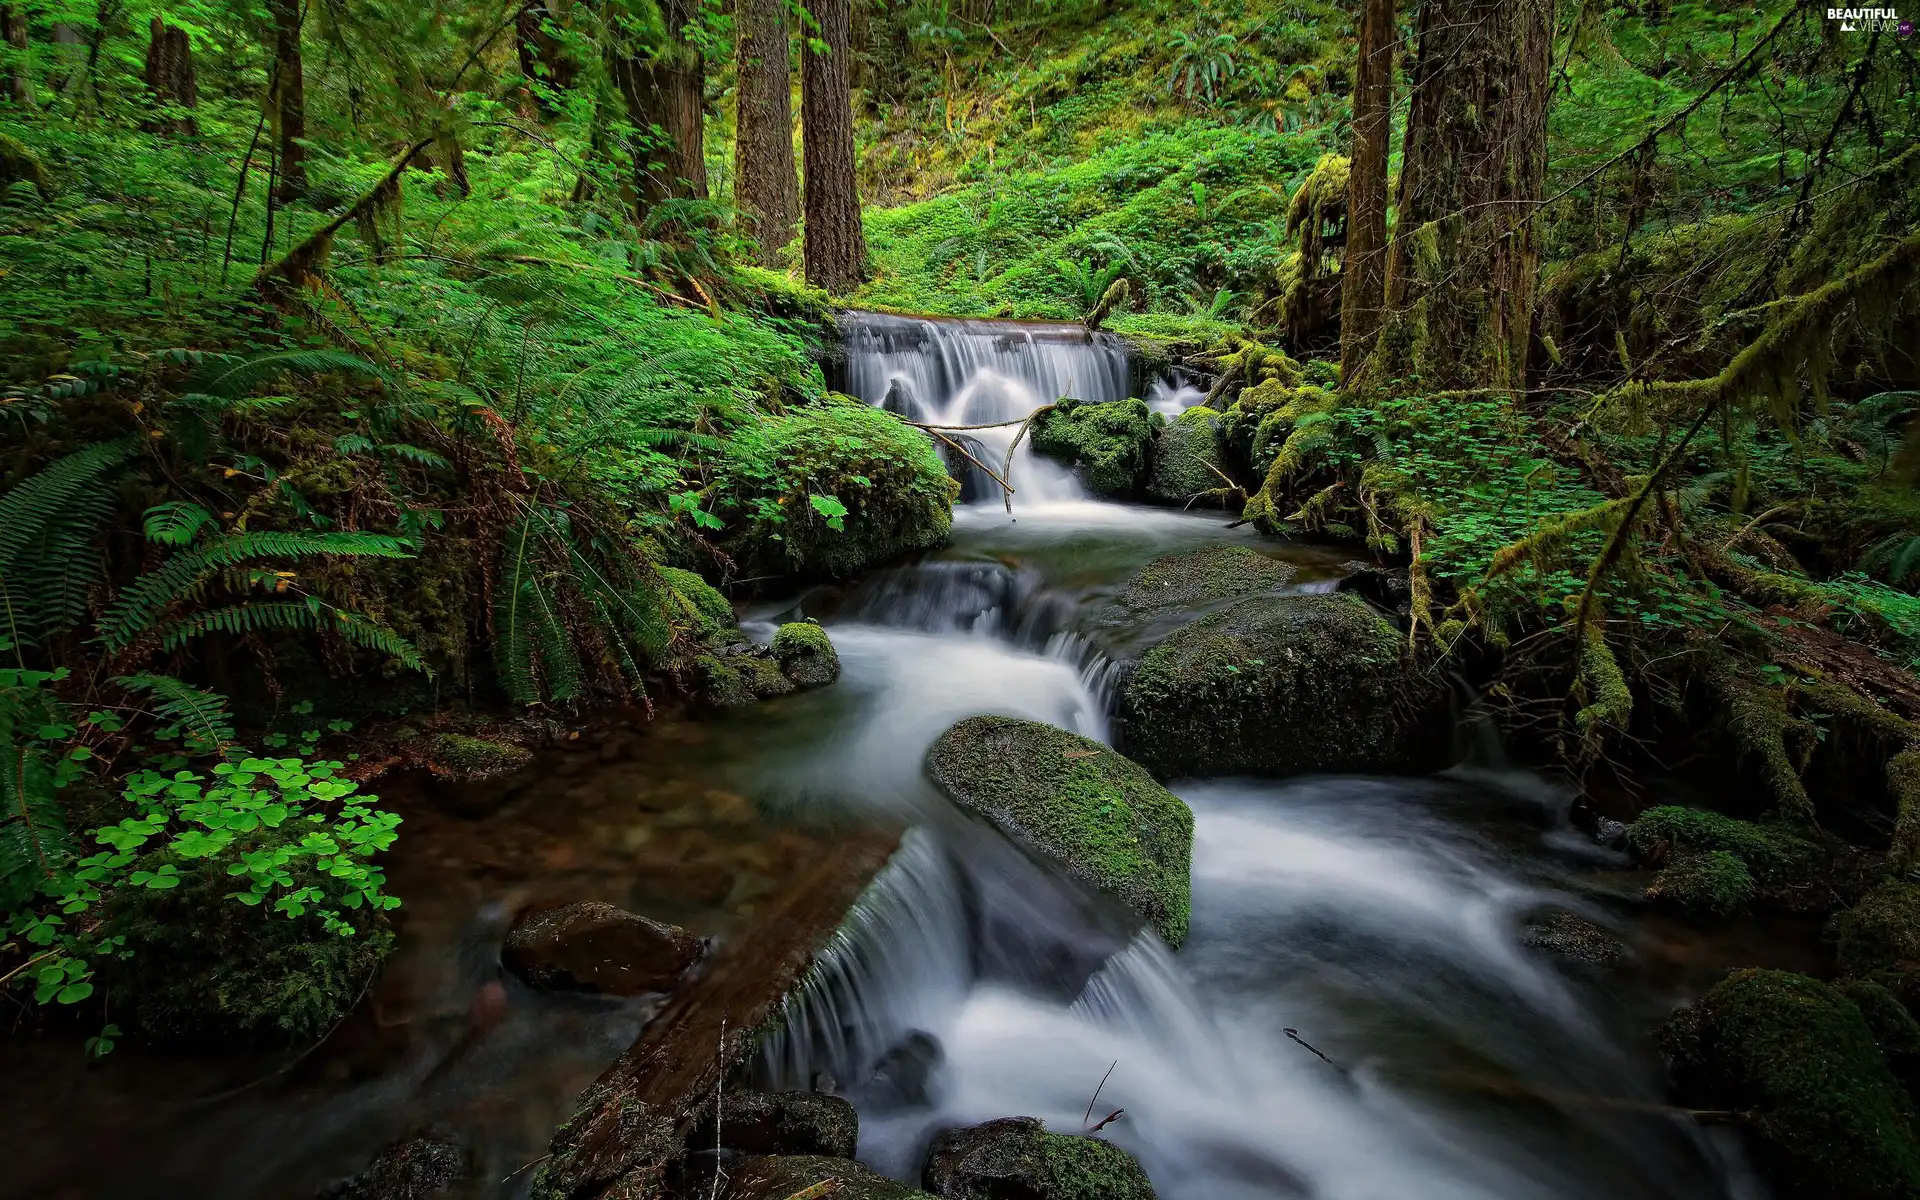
x=170, y=79
x=290, y=101
x=836, y=247
x=764, y=185
x=1465, y=257
x=13, y=32
x=1364, y=268
x=663, y=91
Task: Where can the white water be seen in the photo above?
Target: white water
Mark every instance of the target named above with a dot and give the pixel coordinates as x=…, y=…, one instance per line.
x=974, y=983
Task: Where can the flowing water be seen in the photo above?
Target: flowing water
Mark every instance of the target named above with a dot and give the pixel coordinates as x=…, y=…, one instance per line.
x=1353, y=1016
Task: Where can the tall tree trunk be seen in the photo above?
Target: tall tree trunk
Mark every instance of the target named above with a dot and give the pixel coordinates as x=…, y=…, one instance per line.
x=170, y=79
x=290, y=100
x=1364, y=269
x=764, y=185
x=13, y=32
x=664, y=99
x=836, y=249
x=542, y=58
x=1465, y=255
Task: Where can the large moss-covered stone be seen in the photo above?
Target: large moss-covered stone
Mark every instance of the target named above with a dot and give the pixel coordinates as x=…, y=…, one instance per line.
x=1825, y=1114
x=1082, y=805
x=1015, y=1158
x=1186, y=457
x=1281, y=685
x=1894, y=1029
x=805, y=654
x=808, y=1123
x=696, y=604
x=789, y=1176
x=1879, y=939
x=1108, y=445
x=1200, y=577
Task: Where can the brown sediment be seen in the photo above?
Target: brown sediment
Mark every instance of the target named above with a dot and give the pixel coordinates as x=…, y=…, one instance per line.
x=632, y=1122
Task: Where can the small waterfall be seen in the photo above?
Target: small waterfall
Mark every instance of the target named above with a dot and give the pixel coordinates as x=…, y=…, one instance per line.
x=976, y=372
x=1172, y=395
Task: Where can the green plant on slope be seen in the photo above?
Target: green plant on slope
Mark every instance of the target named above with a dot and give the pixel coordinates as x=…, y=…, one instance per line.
x=1087, y=282
x=1203, y=61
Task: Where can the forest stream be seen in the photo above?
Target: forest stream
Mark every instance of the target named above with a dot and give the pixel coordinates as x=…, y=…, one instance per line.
x=1353, y=1015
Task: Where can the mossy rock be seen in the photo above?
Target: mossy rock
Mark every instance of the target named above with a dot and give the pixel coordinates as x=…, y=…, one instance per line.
x=471, y=759
x=779, y=1123
x=431, y=1164
x=736, y=680
x=1879, y=939
x=806, y=654
x=699, y=605
x=1283, y=685
x=785, y=1177
x=1204, y=576
x=1775, y=854
x=1015, y=1158
x=1894, y=1029
x=1186, y=457
x=1717, y=883
x=1108, y=445
x=1826, y=1116
x=1078, y=803
x=204, y=967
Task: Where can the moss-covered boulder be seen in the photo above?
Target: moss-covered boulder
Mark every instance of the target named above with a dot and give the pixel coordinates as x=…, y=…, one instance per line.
x=1078, y=803
x=1894, y=1029
x=1572, y=939
x=1282, y=685
x=1015, y=1158
x=1717, y=864
x=808, y=1123
x=1201, y=577
x=470, y=759
x=830, y=489
x=696, y=604
x=1108, y=445
x=805, y=654
x=747, y=674
x=1186, y=457
x=1825, y=1115
x=786, y=1177
x=1879, y=939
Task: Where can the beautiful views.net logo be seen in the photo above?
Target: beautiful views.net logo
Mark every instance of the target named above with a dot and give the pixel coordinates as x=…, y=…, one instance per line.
x=1856, y=20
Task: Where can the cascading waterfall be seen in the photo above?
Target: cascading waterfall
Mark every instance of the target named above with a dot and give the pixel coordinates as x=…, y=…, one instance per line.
x=978, y=372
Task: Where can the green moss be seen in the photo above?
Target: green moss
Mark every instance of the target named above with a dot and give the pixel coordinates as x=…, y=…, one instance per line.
x=699, y=604
x=1879, y=939
x=1281, y=685
x=1186, y=458
x=806, y=654
x=736, y=680
x=473, y=758
x=787, y=1176
x=1826, y=1116
x=1903, y=784
x=1108, y=444
x=1016, y=1157
x=206, y=967
x=1084, y=1168
x=1777, y=856
x=1894, y=1029
x=1714, y=882
x=1081, y=804
x=1202, y=576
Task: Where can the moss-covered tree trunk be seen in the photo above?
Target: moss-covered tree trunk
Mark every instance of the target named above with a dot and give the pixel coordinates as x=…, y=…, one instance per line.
x=13, y=32
x=1465, y=256
x=170, y=79
x=764, y=184
x=836, y=249
x=542, y=58
x=663, y=90
x=1364, y=268
x=289, y=101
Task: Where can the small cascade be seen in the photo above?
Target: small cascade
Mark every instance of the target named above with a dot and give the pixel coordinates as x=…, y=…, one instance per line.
x=980, y=372
x=1172, y=395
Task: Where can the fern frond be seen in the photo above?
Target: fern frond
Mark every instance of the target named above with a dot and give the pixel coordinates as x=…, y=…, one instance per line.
x=312, y=616
x=34, y=844
x=177, y=702
x=233, y=380
x=176, y=522
x=533, y=654
x=27, y=508
x=147, y=597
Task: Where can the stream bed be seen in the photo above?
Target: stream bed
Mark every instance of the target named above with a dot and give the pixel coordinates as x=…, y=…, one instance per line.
x=1355, y=1015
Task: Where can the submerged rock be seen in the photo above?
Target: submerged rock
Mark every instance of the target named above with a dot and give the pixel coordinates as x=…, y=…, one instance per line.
x=1107, y=445
x=780, y=1123
x=1282, y=685
x=1080, y=804
x=1825, y=1115
x=593, y=947
x=789, y=1176
x=1186, y=457
x=1564, y=935
x=1015, y=1158
x=805, y=654
x=431, y=1164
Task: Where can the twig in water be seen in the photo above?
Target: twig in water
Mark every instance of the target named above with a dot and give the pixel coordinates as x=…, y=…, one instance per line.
x=1107, y=1120
x=523, y=1166
x=962, y=451
x=1293, y=1035
x=1096, y=1095
x=1015, y=445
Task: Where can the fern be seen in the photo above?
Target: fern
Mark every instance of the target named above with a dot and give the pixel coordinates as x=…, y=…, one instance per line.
x=231, y=380
x=34, y=843
x=314, y=615
x=178, y=703
x=147, y=597
x=47, y=526
x=175, y=523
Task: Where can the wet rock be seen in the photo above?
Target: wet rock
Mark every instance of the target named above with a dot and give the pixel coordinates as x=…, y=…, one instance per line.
x=805, y=654
x=1825, y=1116
x=905, y=1073
x=431, y=1164
x=594, y=947
x=1610, y=833
x=1203, y=576
x=1719, y=864
x=1879, y=939
x=1015, y=1158
x=1893, y=1027
x=740, y=676
x=1097, y=815
x=780, y=1123
x=1564, y=935
x=1282, y=685
x=1715, y=884
x=1186, y=457
x=1390, y=588
x=471, y=759
x=788, y=1176
x=1107, y=444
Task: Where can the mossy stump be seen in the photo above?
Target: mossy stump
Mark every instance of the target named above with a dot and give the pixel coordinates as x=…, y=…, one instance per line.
x=1098, y=816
